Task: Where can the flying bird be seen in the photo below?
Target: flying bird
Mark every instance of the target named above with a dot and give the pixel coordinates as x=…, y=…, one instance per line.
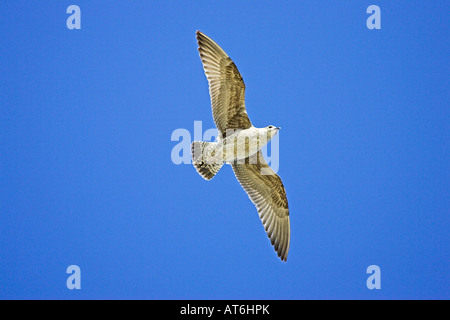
x=239, y=144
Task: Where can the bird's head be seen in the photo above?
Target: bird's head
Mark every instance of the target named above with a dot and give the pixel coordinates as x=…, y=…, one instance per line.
x=272, y=130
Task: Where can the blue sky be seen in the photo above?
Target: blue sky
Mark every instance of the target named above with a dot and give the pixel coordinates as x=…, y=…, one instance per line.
x=86, y=176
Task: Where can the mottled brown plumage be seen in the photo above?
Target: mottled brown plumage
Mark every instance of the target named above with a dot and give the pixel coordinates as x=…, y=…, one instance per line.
x=267, y=193
x=226, y=87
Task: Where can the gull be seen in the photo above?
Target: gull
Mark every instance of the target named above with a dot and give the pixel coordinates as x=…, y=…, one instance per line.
x=239, y=144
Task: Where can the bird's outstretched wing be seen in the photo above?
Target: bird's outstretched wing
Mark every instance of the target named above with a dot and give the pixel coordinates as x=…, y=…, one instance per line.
x=266, y=191
x=226, y=87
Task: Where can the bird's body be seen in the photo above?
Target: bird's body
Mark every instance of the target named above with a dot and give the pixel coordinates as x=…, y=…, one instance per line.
x=239, y=144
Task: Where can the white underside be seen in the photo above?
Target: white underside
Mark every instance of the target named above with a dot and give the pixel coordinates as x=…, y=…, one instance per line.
x=238, y=145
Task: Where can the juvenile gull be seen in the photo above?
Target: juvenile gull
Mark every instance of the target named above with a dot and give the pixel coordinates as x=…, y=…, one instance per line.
x=239, y=143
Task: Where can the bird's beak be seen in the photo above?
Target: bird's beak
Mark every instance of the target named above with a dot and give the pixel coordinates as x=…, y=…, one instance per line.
x=278, y=128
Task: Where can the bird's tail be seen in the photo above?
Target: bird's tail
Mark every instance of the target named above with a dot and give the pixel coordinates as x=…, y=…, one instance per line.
x=202, y=159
